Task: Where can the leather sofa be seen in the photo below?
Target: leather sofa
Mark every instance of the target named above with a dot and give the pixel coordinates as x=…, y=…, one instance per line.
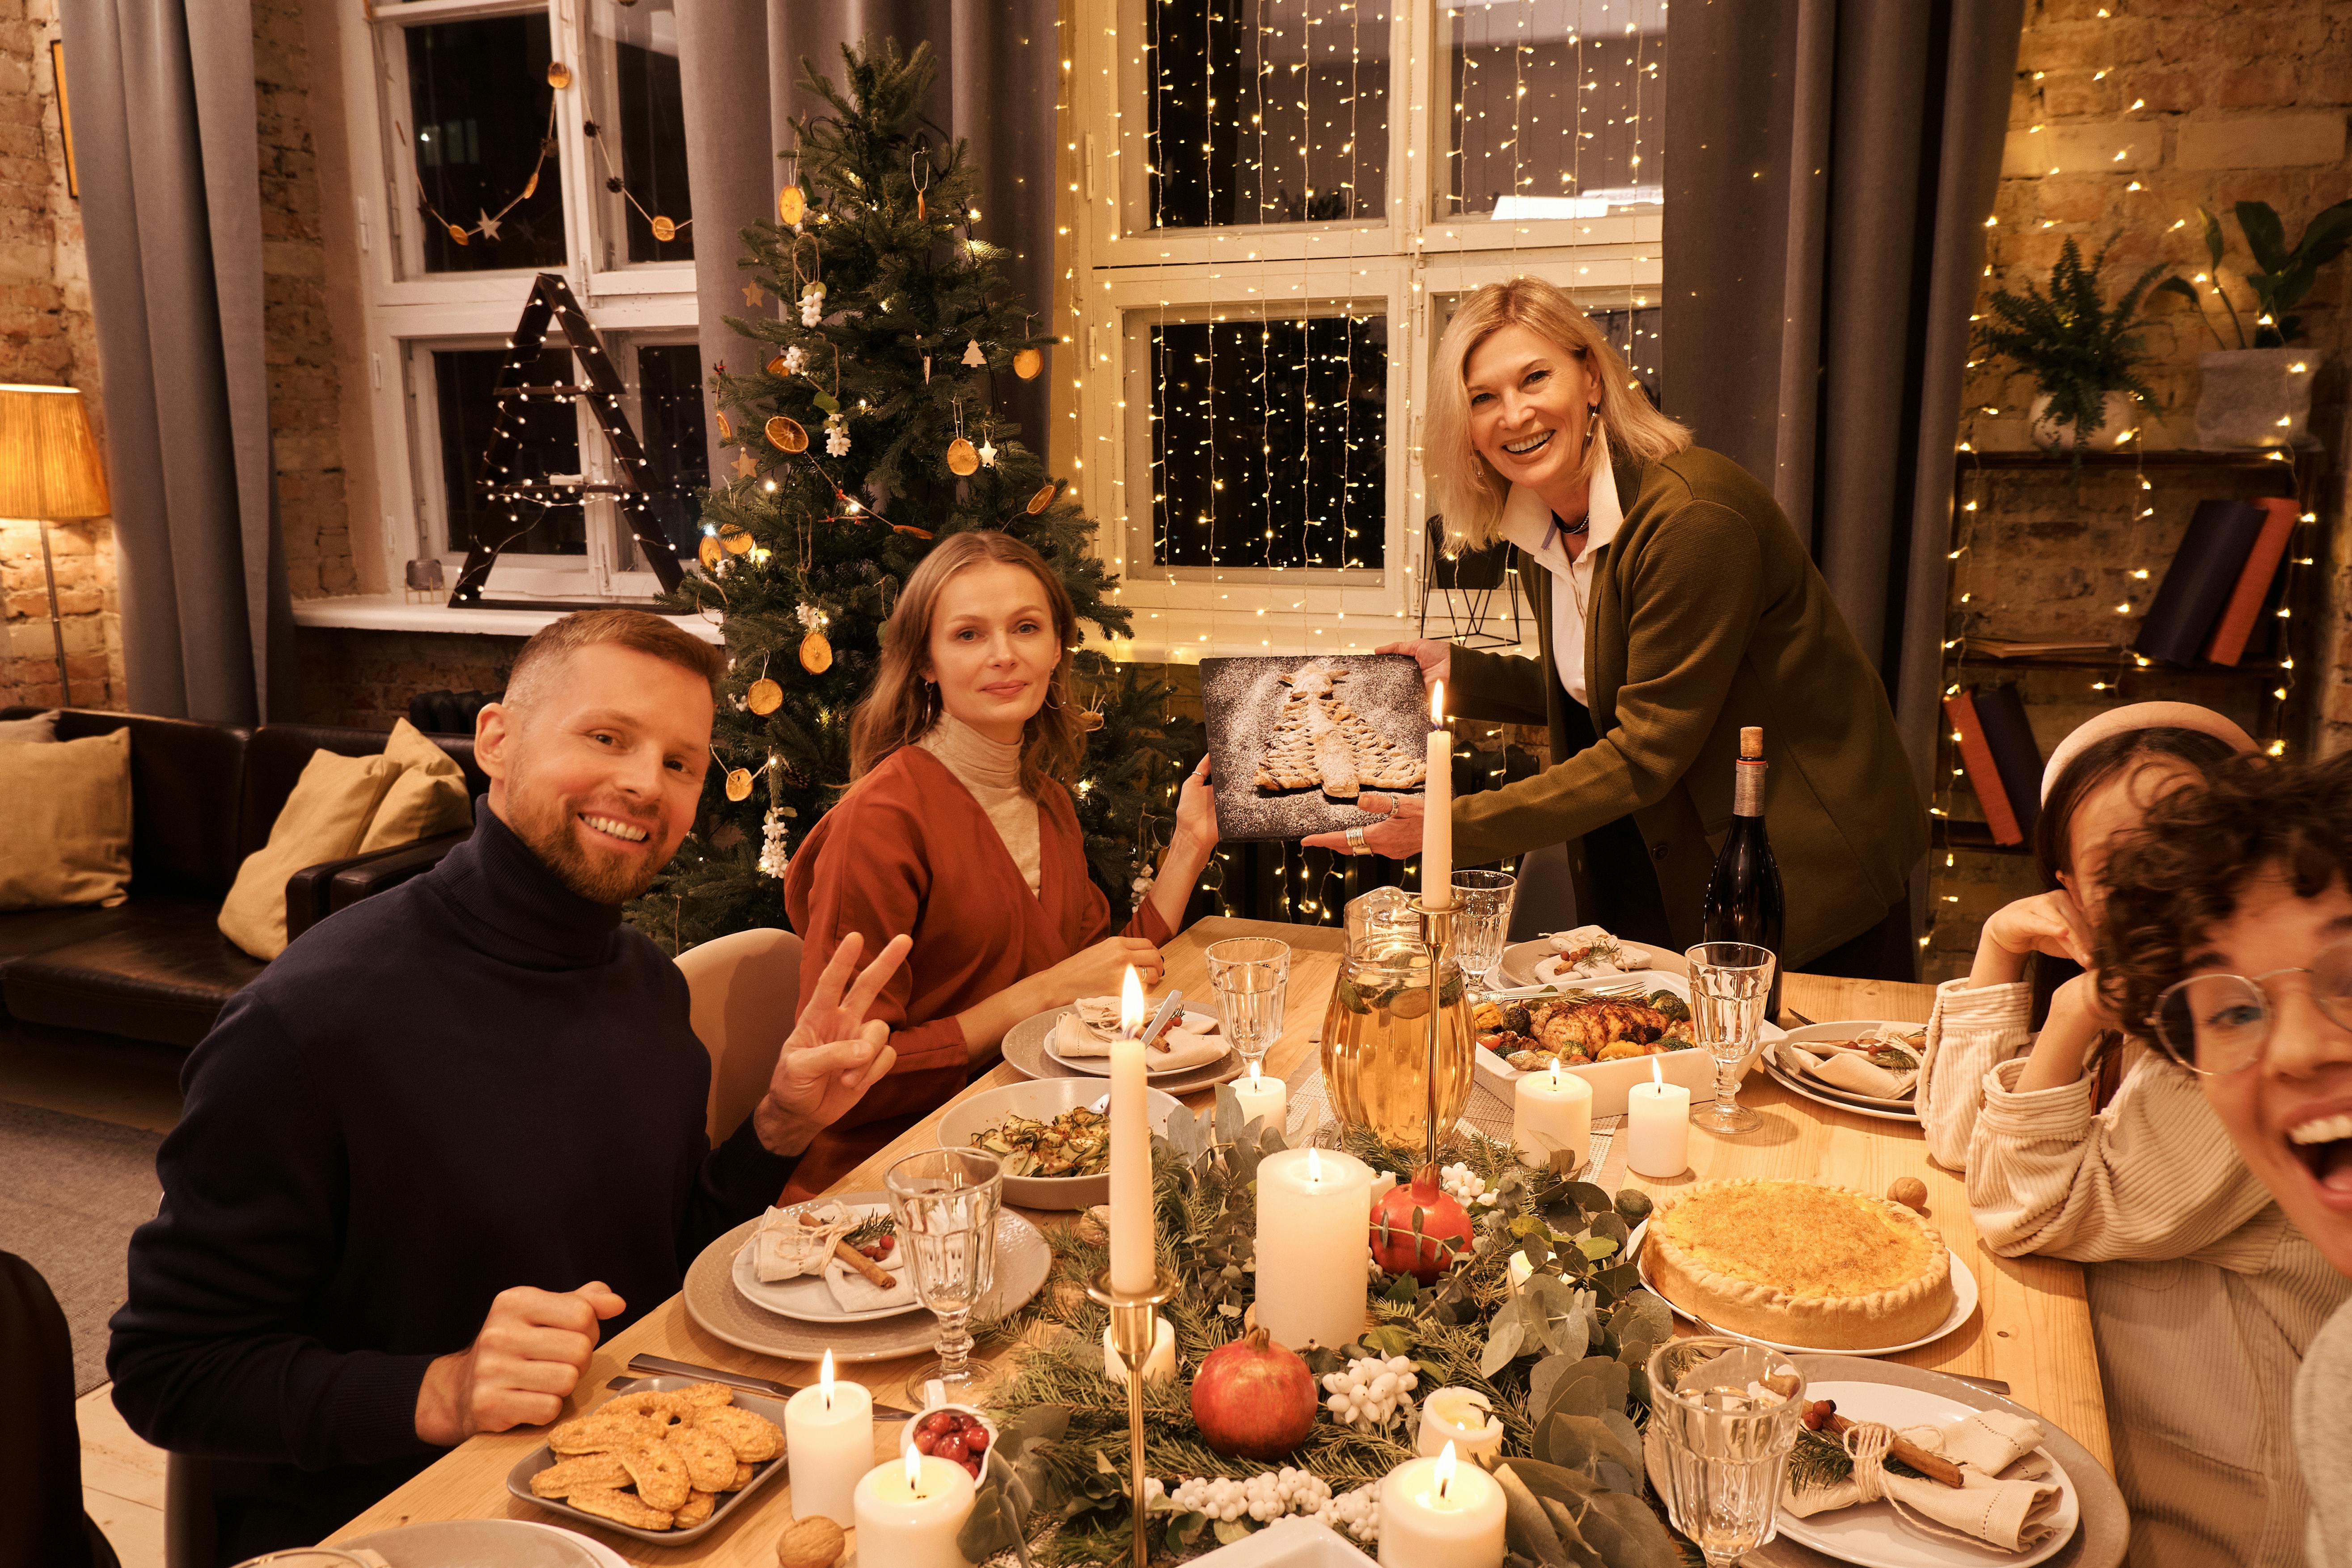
x=203, y=798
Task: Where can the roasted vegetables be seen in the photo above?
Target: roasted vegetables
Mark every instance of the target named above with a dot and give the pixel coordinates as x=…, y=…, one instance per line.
x=1577, y=1029
x=1075, y=1144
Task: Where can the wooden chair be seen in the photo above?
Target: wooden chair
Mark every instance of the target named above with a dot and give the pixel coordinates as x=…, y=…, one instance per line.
x=747, y=992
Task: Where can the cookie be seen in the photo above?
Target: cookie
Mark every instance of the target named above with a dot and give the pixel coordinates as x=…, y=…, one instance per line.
x=566, y=1476
x=620, y=1508
x=696, y=1509
x=602, y=1434
x=710, y=1462
x=753, y=1438
x=660, y=1473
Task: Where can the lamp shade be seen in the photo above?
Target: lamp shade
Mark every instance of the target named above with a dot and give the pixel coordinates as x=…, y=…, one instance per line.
x=49, y=466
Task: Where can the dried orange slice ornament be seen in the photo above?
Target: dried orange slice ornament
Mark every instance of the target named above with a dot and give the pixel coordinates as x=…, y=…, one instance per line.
x=708, y=553
x=739, y=783
x=791, y=204
x=734, y=538
x=1028, y=364
x=962, y=458
x=787, y=435
x=764, y=697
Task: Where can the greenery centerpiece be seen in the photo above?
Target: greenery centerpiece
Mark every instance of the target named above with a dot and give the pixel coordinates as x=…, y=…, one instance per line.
x=2084, y=355
x=2257, y=392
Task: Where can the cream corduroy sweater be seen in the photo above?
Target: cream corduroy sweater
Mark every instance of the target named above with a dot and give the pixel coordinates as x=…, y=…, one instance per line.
x=991, y=769
x=2203, y=1298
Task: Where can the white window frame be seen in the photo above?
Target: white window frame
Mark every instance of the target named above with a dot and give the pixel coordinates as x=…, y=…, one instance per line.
x=407, y=313
x=1124, y=275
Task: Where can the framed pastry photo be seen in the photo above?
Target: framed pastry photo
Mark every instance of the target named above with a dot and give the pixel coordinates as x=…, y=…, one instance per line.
x=1294, y=742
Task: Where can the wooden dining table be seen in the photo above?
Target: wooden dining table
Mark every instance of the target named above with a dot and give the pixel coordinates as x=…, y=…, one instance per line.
x=2032, y=1329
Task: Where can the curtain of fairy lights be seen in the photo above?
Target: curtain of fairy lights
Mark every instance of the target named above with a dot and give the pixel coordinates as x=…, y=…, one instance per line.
x=1558, y=107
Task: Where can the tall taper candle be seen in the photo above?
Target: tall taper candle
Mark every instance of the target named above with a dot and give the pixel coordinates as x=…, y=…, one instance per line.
x=1437, y=809
x=1134, y=1267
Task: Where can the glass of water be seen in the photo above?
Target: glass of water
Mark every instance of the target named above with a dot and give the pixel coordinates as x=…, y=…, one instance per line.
x=1482, y=918
x=946, y=1202
x=1729, y=983
x=1251, y=975
x=1727, y=1411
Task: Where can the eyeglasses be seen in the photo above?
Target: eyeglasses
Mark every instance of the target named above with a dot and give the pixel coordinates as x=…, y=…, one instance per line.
x=2218, y=1023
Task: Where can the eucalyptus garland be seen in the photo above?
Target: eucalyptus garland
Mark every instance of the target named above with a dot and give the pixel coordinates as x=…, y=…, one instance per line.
x=1560, y=1360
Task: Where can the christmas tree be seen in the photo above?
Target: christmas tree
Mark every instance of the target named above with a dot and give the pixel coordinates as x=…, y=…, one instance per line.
x=865, y=429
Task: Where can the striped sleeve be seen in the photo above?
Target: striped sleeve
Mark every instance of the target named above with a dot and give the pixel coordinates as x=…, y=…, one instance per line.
x=1971, y=1030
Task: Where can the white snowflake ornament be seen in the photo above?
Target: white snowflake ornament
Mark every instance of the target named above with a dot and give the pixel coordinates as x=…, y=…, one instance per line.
x=773, y=861
x=837, y=435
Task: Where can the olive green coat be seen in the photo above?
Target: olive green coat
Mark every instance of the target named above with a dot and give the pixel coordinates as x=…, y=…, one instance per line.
x=1707, y=614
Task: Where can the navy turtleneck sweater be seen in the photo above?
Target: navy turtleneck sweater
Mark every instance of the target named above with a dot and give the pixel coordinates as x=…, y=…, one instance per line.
x=477, y=1079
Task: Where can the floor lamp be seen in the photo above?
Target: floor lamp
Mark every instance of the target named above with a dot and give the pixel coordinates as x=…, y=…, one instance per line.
x=49, y=472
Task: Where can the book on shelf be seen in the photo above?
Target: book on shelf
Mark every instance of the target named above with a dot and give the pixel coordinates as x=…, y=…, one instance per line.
x=2252, y=594
x=2051, y=648
x=2003, y=764
x=2199, y=583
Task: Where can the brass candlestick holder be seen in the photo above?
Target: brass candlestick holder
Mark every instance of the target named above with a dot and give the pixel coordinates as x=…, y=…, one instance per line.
x=1437, y=926
x=1133, y=1328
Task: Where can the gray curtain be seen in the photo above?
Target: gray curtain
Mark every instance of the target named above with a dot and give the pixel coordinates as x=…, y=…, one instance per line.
x=164, y=115
x=1830, y=164
x=739, y=71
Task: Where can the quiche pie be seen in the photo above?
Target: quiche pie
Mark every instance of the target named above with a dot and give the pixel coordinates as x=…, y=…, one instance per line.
x=1801, y=1263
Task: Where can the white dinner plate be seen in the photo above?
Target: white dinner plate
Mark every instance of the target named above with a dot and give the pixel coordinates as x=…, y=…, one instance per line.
x=1198, y=1022
x=805, y=1295
x=1518, y=964
x=1964, y=1305
x=1808, y=1088
x=1874, y=1535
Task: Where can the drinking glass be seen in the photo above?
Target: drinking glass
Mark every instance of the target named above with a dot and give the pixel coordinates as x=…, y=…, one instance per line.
x=946, y=1201
x=1482, y=917
x=1729, y=983
x=1251, y=975
x=1727, y=1412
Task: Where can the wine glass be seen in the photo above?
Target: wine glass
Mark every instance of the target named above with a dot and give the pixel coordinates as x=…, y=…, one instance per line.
x=1482, y=917
x=1726, y=1411
x=1251, y=975
x=1729, y=983
x=946, y=1201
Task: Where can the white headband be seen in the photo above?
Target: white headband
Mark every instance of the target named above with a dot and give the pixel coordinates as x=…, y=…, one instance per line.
x=2141, y=716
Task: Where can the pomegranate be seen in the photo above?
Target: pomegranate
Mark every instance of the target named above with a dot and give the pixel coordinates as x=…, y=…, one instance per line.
x=1428, y=1249
x=1254, y=1398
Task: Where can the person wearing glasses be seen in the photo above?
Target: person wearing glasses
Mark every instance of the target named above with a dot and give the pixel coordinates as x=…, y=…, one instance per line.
x=2229, y=929
x=2082, y=1141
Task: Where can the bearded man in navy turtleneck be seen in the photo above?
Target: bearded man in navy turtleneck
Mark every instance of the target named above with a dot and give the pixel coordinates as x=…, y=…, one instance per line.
x=456, y=1131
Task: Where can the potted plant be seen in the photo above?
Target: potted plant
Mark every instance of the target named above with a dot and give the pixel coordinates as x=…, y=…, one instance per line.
x=2082, y=352
x=2258, y=393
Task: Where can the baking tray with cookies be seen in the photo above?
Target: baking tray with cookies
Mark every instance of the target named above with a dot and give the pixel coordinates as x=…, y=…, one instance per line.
x=665, y=1460
x=1297, y=741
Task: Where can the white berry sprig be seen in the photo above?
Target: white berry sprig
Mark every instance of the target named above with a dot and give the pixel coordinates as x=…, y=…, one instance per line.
x=1370, y=1391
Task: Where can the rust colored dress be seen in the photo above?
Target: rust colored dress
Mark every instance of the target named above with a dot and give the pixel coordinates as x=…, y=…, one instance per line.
x=910, y=849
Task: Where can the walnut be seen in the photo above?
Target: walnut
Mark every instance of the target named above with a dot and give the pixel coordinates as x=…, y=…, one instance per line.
x=1910, y=1191
x=1095, y=1223
x=812, y=1542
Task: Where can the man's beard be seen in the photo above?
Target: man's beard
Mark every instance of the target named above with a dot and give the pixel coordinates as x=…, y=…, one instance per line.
x=600, y=879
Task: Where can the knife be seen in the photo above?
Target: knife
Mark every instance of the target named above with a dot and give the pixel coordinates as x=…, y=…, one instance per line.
x=653, y=1365
x=1168, y=1010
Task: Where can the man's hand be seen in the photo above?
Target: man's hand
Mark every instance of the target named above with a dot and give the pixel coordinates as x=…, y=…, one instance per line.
x=529, y=1354
x=1435, y=658
x=1396, y=836
x=833, y=1054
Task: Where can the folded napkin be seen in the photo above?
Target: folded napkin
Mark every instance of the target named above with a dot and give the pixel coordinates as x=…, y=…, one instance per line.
x=853, y=1292
x=1853, y=1072
x=1192, y=1041
x=1590, y=950
x=2010, y=1506
x=785, y=1247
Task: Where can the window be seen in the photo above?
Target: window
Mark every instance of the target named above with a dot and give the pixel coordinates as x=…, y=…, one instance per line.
x=492, y=139
x=1275, y=205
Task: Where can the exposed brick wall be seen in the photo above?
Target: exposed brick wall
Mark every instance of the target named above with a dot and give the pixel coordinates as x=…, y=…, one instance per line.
x=46, y=336
x=364, y=679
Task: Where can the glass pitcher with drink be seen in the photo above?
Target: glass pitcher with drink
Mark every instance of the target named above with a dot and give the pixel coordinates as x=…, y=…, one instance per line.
x=1396, y=1058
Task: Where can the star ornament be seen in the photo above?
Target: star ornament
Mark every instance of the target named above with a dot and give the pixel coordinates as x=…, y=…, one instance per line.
x=487, y=225
x=754, y=294
x=744, y=467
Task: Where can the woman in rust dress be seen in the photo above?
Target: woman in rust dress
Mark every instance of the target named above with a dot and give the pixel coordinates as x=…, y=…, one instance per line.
x=958, y=828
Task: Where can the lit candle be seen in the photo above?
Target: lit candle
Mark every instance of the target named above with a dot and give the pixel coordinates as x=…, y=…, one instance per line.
x=1263, y=1098
x=829, y=1432
x=1657, y=1122
x=910, y=1511
x=1551, y=1110
x=1462, y=1417
x=1518, y=1271
x=1160, y=1366
x=1314, y=1245
x=1133, y=1267
x=1440, y=1514
x=1437, y=809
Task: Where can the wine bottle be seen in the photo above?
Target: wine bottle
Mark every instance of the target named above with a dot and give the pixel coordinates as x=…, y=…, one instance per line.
x=1744, y=901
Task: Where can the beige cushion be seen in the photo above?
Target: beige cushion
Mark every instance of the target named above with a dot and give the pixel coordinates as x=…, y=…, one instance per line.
x=40, y=727
x=324, y=819
x=69, y=834
x=428, y=800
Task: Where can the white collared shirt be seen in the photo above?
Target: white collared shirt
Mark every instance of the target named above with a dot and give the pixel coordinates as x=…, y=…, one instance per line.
x=1528, y=523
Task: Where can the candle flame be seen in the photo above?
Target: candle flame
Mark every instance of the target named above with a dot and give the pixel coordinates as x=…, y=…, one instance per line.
x=1314, y=1167
x=1437, y=703
x=914, y=1470
x=1555, y=1074
x=1657, y=1073
x=1131, y=1015
x=1254, y=1072
x=1445, y=1463
x=825, y=1379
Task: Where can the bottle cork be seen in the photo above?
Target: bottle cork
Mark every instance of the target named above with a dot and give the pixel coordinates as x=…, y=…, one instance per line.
x=1751, y=742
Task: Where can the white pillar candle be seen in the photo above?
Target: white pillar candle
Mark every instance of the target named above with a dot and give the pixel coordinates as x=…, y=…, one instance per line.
x=1437, y=809
x=909, y=1512
x=829, y=1432
x=1263, y=1098
x=1440, y=1514
x=1383, y=1184
x=1314, y=1245
x=1657, y=1126
x=1160, y=1366
x=1551, y=1110
x=1518, y=1271
x=1133, y=1267
x=1463, y=1417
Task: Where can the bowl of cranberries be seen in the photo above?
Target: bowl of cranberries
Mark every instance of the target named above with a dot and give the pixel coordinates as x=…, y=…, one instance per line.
x=957, y=1433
